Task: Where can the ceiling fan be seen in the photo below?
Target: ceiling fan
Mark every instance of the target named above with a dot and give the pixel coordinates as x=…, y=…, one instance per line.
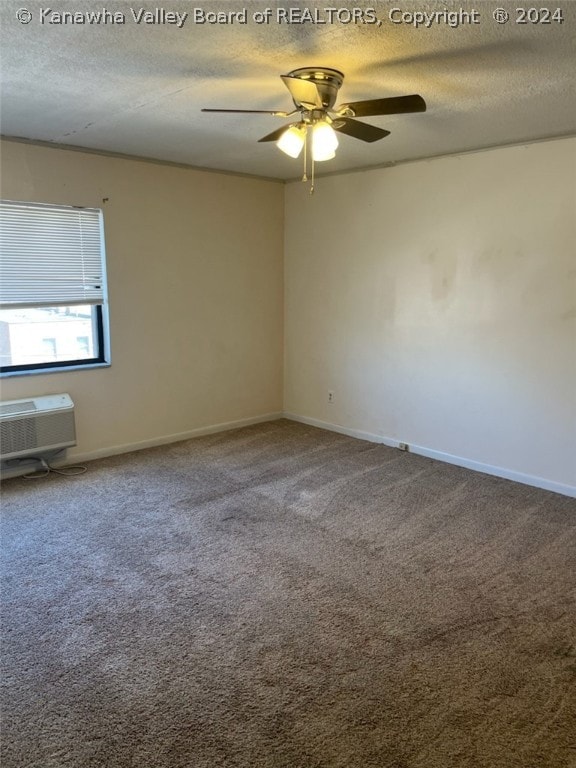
x=314, y=91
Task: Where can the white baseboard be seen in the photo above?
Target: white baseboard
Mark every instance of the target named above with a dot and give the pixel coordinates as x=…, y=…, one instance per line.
x=507, y=474
x=488, y=469
x=75, y=458
x=372, y=437
x=173, y=438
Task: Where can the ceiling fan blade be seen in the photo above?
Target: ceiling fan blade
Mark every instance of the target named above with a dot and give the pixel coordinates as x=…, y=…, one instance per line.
x=303, y=92
x=276, y=113
x=395, y=105
x=275, y=135
x=359, y=130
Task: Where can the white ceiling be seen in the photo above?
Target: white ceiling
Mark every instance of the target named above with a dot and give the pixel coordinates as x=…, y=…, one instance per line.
x=137, y=89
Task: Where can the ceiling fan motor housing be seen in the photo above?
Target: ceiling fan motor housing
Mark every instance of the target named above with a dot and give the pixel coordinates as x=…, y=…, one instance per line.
x=314, y=91
x=326, y=80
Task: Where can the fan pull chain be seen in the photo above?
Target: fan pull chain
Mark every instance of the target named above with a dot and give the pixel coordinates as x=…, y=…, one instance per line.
x=311, y=165
x=304, y=176
x=312, y=180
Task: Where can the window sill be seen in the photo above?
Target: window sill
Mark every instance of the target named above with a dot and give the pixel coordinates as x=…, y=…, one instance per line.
x=60, y=369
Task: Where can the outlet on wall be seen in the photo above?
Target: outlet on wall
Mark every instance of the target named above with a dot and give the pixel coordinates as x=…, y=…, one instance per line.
x=330, y=396
x=403, y=446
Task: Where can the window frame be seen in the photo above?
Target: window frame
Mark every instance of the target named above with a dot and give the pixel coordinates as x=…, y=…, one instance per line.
x=100, y=323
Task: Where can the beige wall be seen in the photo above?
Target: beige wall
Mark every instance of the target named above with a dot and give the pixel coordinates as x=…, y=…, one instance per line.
x=437, y=300
x=195, y=285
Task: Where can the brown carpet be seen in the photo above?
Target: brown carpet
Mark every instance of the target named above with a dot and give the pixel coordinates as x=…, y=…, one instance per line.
x=284, y=597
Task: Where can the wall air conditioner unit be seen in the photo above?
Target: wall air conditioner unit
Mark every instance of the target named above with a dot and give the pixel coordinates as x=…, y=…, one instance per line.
x=36, y=426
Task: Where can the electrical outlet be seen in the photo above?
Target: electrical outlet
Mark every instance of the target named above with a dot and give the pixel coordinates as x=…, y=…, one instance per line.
x=403, y=446
x=330, y=396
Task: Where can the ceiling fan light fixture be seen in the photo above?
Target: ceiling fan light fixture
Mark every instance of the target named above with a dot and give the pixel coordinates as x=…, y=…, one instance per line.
x=314, y=91
x=292, y=140
x=324, y=141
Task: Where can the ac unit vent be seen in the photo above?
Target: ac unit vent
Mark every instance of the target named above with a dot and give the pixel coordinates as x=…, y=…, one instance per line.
x=46, y=427
x=17, y=436
x=21, y=406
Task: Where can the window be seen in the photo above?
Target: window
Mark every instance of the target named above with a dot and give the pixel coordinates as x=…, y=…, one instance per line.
x=83, y=344
x=49, y=346
x=53, y=309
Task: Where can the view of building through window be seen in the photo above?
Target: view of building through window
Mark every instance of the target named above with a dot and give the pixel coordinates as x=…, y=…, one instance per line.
x=46, y=335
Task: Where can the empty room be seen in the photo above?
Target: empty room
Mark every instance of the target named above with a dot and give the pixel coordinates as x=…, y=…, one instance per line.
x=288, y=384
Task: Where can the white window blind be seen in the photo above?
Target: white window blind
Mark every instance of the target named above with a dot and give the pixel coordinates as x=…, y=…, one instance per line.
x=50, y=255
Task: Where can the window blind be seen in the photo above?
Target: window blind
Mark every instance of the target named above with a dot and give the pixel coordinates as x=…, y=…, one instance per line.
x=50, y=255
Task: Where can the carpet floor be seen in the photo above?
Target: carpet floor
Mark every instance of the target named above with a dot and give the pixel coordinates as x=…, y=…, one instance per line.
x=284, y=597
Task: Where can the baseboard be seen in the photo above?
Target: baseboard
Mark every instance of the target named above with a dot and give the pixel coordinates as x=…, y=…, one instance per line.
x=372, y=437
x=173, y=438
x=507, y=474
x=114, y=450
x=448, y=458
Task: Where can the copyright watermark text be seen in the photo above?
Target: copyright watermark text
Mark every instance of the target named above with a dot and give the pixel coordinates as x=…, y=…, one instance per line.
x=355, y=15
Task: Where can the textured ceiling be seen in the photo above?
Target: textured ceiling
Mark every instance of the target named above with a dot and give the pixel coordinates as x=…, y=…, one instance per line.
x=137, y=88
